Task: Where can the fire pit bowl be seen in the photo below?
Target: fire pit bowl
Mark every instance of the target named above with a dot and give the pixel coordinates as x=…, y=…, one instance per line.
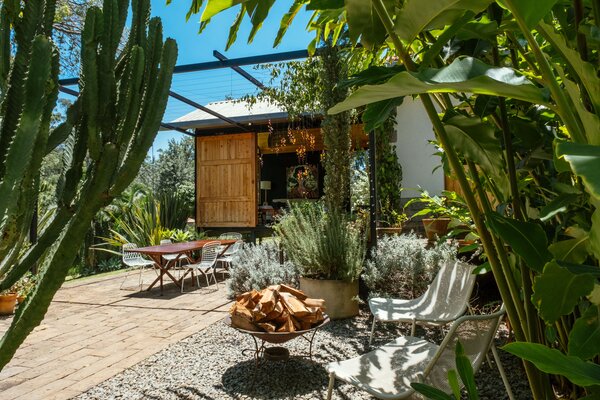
x=278, y=337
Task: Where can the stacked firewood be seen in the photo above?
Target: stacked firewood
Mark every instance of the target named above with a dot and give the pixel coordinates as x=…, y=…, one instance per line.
x=278, y=308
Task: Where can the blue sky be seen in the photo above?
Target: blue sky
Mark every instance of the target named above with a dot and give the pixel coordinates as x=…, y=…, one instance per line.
x=204, y=87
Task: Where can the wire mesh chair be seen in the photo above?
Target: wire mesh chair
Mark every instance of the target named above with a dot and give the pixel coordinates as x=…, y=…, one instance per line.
x=225, y=259
x=387, y=372
x=230, y=236
x=206, y=266
x=444, y=301
x=176, y=258
x=133, y=261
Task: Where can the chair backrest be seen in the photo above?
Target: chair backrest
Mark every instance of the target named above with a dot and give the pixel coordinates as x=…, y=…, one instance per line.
x=234, y=248
x=475, y=333
x=166, y=241
x=447, y=297
x=231, y=236
x=210, y=251
x=130, y=255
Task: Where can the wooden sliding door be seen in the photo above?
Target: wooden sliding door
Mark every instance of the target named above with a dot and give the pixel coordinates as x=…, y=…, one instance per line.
x=226, y=181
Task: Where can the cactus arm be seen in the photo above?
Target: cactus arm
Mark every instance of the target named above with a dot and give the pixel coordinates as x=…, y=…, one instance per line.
x=155, y=107
x=35, y=252
x=5, y=49
x=59, y=134
x=131, y=98
x=20, y=152
x=25, y=28
x=89, y=79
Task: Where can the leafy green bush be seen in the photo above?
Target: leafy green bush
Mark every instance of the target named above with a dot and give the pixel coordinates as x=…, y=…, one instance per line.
x=322, y=245
x=256, y=267
x=401, y=266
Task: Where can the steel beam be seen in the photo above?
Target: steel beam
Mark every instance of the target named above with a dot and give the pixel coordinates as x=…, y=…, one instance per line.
x=162, y=124
x=240, y=71
x=233, y=62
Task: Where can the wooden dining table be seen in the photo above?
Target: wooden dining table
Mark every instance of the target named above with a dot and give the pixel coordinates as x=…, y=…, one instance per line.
x=156, y=253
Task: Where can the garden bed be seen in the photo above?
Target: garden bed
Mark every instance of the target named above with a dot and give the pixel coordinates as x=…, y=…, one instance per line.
x=209, y=365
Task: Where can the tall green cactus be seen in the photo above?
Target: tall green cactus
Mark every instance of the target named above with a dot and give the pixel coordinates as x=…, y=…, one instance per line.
x=106, y=135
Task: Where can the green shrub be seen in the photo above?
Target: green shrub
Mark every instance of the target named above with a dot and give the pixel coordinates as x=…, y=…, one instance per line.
x=401, y=266
x=322, y=245
x=256, y=267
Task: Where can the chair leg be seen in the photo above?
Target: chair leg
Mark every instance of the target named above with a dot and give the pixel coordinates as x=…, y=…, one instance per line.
x=125, y=279
x=330, y=386
x=372, y=330
x=502, y=372
x=413, y=328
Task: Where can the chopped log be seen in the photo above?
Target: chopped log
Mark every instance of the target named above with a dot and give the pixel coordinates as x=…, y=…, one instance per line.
x=268, y=326
x=268, y=300
x=293, y=305
x=243, y=323
x=314, y=303
x=287, y=326
x=296, y=292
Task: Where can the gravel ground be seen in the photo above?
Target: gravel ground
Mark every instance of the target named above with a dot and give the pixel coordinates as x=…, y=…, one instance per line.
x=210, y=365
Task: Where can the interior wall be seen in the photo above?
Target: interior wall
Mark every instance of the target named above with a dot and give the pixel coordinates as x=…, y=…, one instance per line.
x=415, y=154
x=274, y=169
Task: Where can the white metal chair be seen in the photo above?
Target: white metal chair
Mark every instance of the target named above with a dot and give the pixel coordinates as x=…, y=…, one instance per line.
x=231, y=236
x=176, y=258
x=445, y=300
x=226, y=258
x=206, y=266
x=134, y=261
x=387, y=372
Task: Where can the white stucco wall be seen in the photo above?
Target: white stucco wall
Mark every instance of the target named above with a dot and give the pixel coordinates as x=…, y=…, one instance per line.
x=415, y=154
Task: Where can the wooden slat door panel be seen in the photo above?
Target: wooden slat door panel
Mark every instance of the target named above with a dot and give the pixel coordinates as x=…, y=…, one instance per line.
x=226, y=181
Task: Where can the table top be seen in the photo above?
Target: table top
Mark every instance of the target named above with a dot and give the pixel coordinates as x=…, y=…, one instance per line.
x=176, y=248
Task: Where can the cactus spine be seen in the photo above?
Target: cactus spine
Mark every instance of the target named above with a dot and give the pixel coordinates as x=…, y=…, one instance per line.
x=112, y=124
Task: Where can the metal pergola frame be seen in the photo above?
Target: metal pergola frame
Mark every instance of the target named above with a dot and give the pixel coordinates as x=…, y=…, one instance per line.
x=235, y=64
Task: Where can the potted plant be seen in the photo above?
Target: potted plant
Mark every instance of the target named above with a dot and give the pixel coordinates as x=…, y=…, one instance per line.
x=393, y=224
x=8, y=301
x=24, y=286
x=329, y=251
x=445, y=212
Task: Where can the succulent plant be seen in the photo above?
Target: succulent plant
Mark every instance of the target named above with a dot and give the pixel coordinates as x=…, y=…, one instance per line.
x=106, y=135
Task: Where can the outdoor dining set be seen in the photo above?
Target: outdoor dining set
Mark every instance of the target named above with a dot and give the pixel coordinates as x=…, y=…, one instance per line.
x=215, y=257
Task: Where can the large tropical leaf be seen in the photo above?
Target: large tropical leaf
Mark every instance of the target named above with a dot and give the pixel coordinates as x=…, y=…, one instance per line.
x=585, y=163
x=463, y=75
x=364, y=22
x=584, y=339
x=213, y=7
x=527, y=239
x=287, y=19
x=552, y=361
x=594, y=244
x=377, y=113
x=557, y=291
x=585, y=71
x=414, y=17
x=529, y=11
x=476, y=141
x=558, y=205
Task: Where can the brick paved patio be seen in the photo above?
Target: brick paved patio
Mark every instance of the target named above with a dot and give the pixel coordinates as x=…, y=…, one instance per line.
x=93, y=331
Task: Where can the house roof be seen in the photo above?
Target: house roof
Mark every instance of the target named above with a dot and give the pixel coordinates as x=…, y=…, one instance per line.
x=239, y=111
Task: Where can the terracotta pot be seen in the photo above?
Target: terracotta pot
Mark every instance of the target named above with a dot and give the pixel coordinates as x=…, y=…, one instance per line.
x=341, y=297
x=8, y=303
x=435, y=227
x=389, y=231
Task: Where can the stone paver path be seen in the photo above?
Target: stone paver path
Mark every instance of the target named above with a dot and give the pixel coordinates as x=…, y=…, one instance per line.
x=93, y=331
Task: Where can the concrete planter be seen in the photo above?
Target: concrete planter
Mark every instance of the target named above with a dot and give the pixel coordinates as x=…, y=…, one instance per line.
x=341, y=297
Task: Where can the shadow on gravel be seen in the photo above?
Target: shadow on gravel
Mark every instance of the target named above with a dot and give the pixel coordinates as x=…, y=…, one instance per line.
x=275, y=380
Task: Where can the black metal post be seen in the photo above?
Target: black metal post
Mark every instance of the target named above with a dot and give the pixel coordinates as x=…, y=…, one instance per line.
x=372, y=189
